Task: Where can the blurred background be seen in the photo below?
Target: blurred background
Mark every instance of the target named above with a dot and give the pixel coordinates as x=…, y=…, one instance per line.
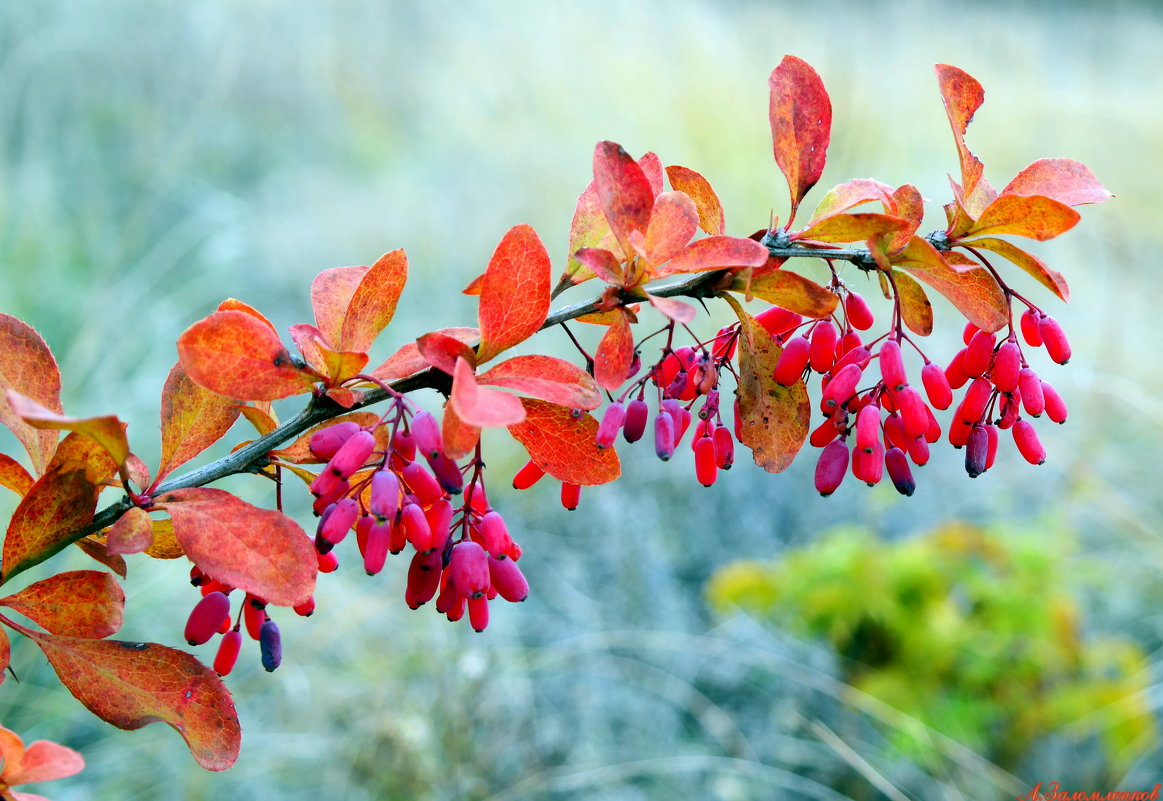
x=750, y=641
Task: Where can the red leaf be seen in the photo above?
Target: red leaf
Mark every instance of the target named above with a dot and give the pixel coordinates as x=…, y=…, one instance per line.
x=909, y=206
x=562, y=442
x=258, y=550
x=234, y=354
x=546, y=378
x=673, y=308
x=651, y=166
x=232, y=304
x=107, y=430
x=459, y=437
x=95, y=549
x=603, y=264
x=775, y=418
x=848, y=195
x=299, y=451
x=614, y=356
x=336, y=365
x=672, y=224
x=963, y=96
x=43, y=761
x=1051, y=279
x=1068, y=181
x=624, y=191
x=515, y=293
x=851, y=227
x=972, y=290
x=801, y=125
x=132, y=533
x=28, y=366
x=700, y=191
x=331, y=294
x=916, y=310
x=441, y=350
x=132, y=684
x=79, y=603
x=715, y=253
x=480, y=406
x=1036, y=217
x=14, y=476
x=790, y=290
x=374, y=302
x=5, y=660
x=407, y=361
x=58, y=505
x=589, y=229
x=193, y=419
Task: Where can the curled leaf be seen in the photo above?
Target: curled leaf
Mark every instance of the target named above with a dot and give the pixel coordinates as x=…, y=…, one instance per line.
x=14, y=476
x=563, y=443
x=851, y=227
x=107, y=430
x=1068, y=181
x=715, y=253
x=132, y=533
x=916, y=310
x=700, y=191
x=850, y=194
x=373, y=304
x=589, y=229
x=408, y=360
x=1033, y=216
x=1047, y=277
x=790, y=290
x=546, y=378
x=963, y=96
x=480, y=406
x=28, y=367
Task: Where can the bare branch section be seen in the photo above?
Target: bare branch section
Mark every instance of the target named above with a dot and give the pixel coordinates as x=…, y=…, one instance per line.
x=253, y=457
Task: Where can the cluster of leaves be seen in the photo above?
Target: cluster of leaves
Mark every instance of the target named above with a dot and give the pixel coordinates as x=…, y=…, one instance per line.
x=934, y=624
x=628, y=232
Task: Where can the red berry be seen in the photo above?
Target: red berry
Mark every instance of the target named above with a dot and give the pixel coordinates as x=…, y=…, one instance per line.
x=1028, y=443
x=527, y=476
x=919, y=451
x=327, y=562
x=1055, y=405
x=439, y=517
x=326, y=442
x=868, y=428
x=725, y=343
x=416, y=524
x=936, y=386
x=892, y=365
x=637, y=413
x=426, y=433
x=570, y=496
x=914, y=412
x=375, y=550
x=1033, y=399
x=968, y=332
x=841, y=387
x=724, y=447
x=991, y=449
x=899, y=471
x=478, y=613
x=447, y=474
x=858, y=312
x=792, y=361
x=1006, y=364
x=253, y=616
x=824, y=433
x=955, y=374
x=468, y=568
x=404, y=446
x=978, y=354
x=1029, y=325
x=508, y=580
x=206, y=618
x=869, y=467
x=823, y=352
x=1054, y=339
x=831, y=467
x=422, y=483
x=423, y=579
x=779, y=322
x=227, y=656
x=353, y=454
x=495, y=534
x=858, y=355
x=611, y=424
x=894, y=432
x=664, y=436
x=706, y=469
x=305, y=609
x=972, y=406
x=385, y=495
x=339, y=520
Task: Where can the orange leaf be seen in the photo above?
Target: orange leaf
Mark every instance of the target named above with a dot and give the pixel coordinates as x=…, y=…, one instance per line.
x=263, y=419
x=28, y=366
x=43, y=761
x=971, y=289
x=801, y=125
x=515, y=293
x=193, y=419
x=589, y=229
x=672, y=224
x=700, y=191
x=58, y=505
x=14, y=476
x=336, y=365
x=459, y=437
x=916, y=310
x=374, y=302
x=132, y=533
x=132, y=684
x=608, y=317
x=79, y=603
x=603, y=264
x=1036, y=217
x=623, y=190
x=614, y=356
x=408, y=361
x=715, y=253
x=441, y=351
x=547, y=378
x=963, y=96
x=791, y=291
x=94, y=547
x=234, y=354
x=480, y=406
x=673, y=308
x=1051, y=279
x=107, y=430
x=848, y=195
x=299, y=451
x=774, y=417
x=562, y=442
x=5, y=660
x=331, y=294
x=851, y=227
x=258, y=550
x=474, y=286
x=909, y=206
x=232, y=304
x=1068, y=181
x=165, y=544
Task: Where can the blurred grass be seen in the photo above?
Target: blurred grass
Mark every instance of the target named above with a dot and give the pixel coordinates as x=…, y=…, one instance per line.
x=156, y=158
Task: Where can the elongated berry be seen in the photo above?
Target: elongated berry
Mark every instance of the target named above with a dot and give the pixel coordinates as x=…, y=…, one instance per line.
x=831, y=467
x=868, y=467
x=913, y=411
x=724, y=447
x=206, y=618
x=899, y=472
x=416, y=524
x=972, y=406
x=227, y=656
x=792, y=361
x=1029, y=326
x=375, y=549
x=778, y=322
x=976, y=451
x=868, y=428
x=824, y=433
x=422, y=483
x=495, y=534
x=664, y=436
x=706, y=469
x=1006, y=364
x=385, y=495
x=425, y=432
x=611, y=424
x=447, y=474
x=955, y=374
x=327, y=562
x=894, y=432
x=637, y=414
x=1026, y=438
x=823, y=352
x=325, y=485
x=478, y=500
x=252, y=616
x=353, y=454
x=439, y=517
x=991, y=445
x=508, y=580
x=892, y=365
x=936, y=384
x=1055, y=405
x=305, y=609
x=919, y=451
x=338, y=522
x=1054, y=338
x=848, y=341
x=478, y=613
x=570, y=496
x=675, y=362
x=423, y=579
x=858, y=312
x=527, y=476
x=326, y=442
x=404, y=446
x=978, y=354
x=270, y=644
x=841, y=387
x=969, y=332
x=682, y=419
x=469, y=569
x=859, y=355
x=1030, y=386
x=725, y=343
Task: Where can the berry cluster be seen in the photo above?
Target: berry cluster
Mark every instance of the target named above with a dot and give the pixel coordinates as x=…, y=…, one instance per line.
x=211, y=616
